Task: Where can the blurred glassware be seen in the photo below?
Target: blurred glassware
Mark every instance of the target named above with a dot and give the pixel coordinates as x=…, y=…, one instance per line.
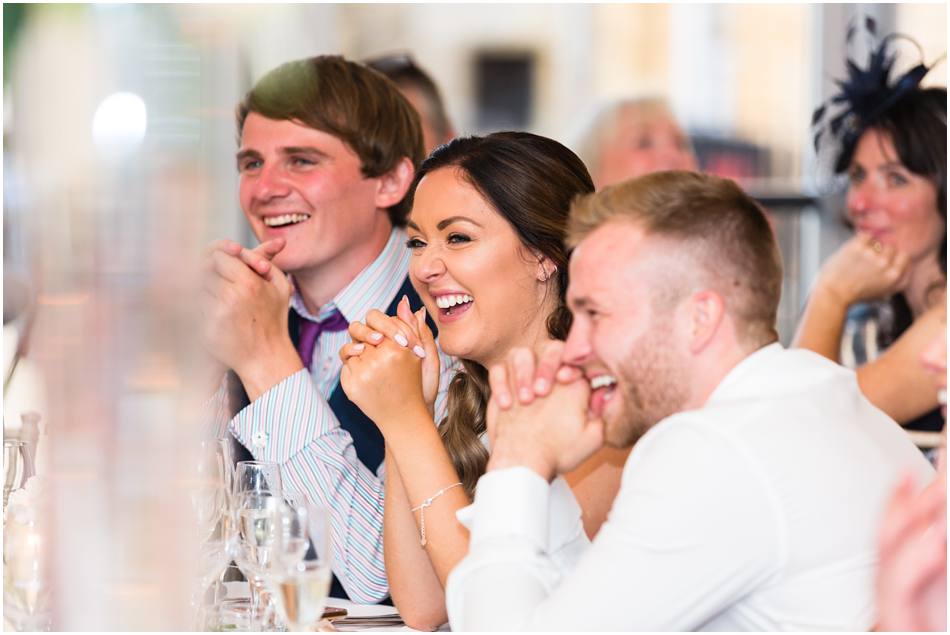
x=16, y=467
x=225, y=450
x=299, y=575
x=26, y=598
x=258, y=516
x=210, y=496
x=30, y=434
x=232, y=614
x=257, y=476
x=294, y=538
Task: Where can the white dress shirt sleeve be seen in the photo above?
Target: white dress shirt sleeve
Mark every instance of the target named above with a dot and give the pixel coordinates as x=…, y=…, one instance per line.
x=693, y=528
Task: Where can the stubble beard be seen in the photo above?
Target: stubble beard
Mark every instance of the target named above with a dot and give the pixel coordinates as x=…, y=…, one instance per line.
x=653, y=384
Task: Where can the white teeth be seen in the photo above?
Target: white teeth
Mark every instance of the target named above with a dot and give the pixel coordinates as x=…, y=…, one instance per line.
x=448, y=301
x=285, y=219
x=942, y=396
x=602, y=381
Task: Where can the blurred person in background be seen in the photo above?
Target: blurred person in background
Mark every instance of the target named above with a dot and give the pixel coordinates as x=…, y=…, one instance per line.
x=486, y=230
x=912, y=574
x=881, y=297
x=421, y=91
x=328, y=150
x=758, y=475
x=912, y=571
x=632, y=137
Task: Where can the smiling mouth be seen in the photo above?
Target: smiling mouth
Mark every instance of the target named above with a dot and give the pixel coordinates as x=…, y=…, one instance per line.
x=452, y=304
x=602, y=390
x=285, y=220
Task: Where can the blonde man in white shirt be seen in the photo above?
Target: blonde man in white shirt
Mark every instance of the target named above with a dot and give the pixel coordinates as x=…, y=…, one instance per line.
x=752, y=497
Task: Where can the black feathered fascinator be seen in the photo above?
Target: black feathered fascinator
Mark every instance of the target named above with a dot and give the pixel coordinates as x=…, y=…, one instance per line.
x=865, y=95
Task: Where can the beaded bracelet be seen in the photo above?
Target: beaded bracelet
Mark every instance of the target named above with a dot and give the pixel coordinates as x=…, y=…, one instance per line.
x=422, y=511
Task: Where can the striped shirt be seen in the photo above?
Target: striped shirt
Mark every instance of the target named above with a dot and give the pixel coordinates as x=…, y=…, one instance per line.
x=293, y=425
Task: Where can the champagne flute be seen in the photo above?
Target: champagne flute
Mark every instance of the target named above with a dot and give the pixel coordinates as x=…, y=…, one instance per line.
x=294, y=539
x=258, y=521
x=257, y=476
x=14, y=467
x=301, y=585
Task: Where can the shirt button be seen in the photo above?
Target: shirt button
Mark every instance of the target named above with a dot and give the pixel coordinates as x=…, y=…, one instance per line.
x=259, y=439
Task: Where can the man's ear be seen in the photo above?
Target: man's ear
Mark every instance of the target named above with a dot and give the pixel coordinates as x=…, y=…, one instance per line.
x=706, y=315
x=394, y=184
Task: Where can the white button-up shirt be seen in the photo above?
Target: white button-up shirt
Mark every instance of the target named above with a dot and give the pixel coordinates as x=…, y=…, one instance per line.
x=758, y=511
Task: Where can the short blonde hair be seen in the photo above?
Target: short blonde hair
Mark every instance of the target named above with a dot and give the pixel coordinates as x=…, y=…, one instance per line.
x=720, y=228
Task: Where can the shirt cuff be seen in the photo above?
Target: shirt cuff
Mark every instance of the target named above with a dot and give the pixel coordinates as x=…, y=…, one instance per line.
x=512, y=502
x=285, y=419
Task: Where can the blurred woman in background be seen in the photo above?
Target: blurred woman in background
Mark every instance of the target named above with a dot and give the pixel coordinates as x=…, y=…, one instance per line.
x=881, y=297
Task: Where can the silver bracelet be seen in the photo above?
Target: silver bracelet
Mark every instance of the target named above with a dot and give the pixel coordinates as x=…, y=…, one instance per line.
x=422, y=511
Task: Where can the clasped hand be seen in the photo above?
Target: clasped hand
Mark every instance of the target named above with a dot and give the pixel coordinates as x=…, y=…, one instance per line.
x=392, y=364
x=538, y=415
x=244, y=304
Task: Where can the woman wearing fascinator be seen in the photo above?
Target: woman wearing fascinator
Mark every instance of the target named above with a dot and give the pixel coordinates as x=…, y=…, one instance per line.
x=881, y=297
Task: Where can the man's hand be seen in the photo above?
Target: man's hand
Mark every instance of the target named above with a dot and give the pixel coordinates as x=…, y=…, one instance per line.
x=532, y=378
x=245, y=324
x=550, y=435
x=259, y=258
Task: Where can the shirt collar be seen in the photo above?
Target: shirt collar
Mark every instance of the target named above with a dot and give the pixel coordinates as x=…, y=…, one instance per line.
x=374, y=287
x=736, y=384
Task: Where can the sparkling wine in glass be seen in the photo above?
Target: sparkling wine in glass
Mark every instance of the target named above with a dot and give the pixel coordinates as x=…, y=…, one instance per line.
x=301, y=592
x=299, y=577
x=258, y=517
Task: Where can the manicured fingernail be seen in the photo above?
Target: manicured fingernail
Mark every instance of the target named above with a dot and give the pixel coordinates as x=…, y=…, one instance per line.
x=540, y=385
x=419, y=351
x=376, y=337
x=358, y=348
x=401, y=339
x=525, y=394
x=504, y=401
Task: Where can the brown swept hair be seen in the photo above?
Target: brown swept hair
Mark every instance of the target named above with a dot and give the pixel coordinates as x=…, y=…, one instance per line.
x=354, y=103
x=715, y=223
x=530, y=181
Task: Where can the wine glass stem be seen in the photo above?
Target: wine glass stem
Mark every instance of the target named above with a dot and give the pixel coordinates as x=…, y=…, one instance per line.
x=253, y=583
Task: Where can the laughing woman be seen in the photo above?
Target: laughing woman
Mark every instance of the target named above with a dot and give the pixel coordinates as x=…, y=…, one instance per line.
x=486, y=232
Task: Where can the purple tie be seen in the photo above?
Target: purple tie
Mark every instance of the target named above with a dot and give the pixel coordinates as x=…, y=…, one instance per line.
x=310, y=330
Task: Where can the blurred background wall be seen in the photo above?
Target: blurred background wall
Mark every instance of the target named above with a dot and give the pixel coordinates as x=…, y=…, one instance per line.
x=119, y=165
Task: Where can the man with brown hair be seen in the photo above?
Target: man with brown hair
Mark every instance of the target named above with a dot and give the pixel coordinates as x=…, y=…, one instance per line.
x=328, y=150
x=751, y=497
